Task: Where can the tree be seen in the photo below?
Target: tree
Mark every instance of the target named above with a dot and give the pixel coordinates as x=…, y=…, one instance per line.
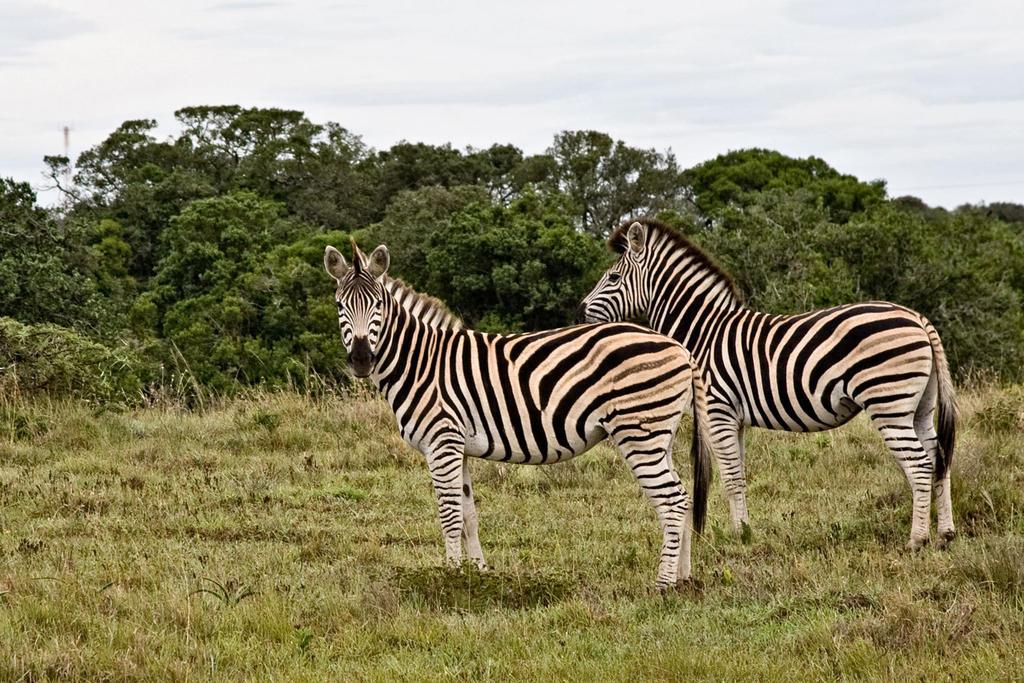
x=731, y=179
x=412, y=222
x=607, y=181
x=46, y=267
x=241, y=295
x=518, y=267
x=963, y=271
x=141, y=183
x=213, y=241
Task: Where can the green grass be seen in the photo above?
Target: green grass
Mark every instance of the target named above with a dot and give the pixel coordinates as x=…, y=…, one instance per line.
x=281, y=538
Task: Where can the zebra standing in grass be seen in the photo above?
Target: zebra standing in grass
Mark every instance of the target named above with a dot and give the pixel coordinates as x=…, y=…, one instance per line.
x=528, y=398
x=800, y=373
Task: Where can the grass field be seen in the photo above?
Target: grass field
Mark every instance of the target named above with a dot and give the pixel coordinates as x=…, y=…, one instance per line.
x=283, y=538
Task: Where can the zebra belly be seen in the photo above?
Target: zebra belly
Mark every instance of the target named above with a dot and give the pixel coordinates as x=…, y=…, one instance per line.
x=838, y=415
x=479, y=445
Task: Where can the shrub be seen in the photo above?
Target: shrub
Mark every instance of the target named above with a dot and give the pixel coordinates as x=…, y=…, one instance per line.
x=60, y=362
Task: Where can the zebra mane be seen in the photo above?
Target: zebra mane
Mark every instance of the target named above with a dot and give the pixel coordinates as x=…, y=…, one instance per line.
x=618, y=243
x=431, y=311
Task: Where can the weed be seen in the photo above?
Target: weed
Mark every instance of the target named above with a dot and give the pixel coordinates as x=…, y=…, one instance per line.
x=229, y=593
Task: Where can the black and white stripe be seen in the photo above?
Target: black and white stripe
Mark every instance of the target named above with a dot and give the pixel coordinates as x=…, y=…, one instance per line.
x=531, y=398
x=801, y=373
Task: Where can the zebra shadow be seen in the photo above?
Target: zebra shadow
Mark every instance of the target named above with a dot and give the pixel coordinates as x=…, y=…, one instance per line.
x=467, y=589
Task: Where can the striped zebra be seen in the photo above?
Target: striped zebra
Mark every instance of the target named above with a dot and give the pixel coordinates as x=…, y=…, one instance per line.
x=800, y=373
x=531, y=398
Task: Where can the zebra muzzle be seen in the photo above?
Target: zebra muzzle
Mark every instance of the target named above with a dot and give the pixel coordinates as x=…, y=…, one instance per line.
x=361, y=357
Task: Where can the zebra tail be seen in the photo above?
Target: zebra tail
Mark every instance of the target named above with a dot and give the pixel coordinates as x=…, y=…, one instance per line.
x=948, y=411
x=700, y=451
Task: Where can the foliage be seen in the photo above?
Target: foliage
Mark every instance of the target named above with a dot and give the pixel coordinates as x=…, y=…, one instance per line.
x=412, y=222
x=518, y=267
x=55, y=360
x=201, y=250
x=45, y=265
x=607, y=181
x=732, y=178
x=961, y=271
x=235, y=308
x=214, y=241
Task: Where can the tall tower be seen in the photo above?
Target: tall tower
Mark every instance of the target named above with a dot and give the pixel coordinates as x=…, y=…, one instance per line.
x=67, y=166
x=67, y=151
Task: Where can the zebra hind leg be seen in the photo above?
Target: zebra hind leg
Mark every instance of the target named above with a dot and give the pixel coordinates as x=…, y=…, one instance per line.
x=898, y=431
x=649, y=456
x=924, y=426
x=470, y=533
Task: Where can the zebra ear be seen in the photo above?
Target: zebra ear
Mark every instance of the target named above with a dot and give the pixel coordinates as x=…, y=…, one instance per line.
x=379, y=259
x=335, y=263
x=637, y=237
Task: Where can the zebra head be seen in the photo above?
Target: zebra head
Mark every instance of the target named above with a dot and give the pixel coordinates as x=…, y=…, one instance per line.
x=621, y=293
x=360, y=298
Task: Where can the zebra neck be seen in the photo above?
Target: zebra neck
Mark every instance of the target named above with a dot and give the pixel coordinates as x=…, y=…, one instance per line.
x=407, y=352
x=422, y=306
x=687, y=306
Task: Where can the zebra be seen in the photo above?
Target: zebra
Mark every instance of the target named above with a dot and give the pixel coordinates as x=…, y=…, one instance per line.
x=801, y=373
x=534, y=398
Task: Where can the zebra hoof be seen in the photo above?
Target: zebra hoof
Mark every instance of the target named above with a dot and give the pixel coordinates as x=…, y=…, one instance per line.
x=916, y=544
x=945, y=538
x=664, y=587
x=689, y=585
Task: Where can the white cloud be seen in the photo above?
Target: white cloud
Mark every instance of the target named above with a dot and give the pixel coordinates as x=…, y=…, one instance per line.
x=26, y=27
x=927, y=95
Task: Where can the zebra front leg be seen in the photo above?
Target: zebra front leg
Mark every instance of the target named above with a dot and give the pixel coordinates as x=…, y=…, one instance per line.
x=727, y=433
x=470, y=526
x=445, y=463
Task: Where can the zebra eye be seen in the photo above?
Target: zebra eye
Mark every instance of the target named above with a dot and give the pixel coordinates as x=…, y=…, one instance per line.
x=614, y=277
x=341, y=307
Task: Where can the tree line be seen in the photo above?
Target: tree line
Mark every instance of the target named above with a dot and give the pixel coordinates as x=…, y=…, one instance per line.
x=195, y=259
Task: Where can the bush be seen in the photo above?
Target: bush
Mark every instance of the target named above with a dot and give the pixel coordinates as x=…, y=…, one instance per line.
x=517, y=267
x=274, y=324
x=60, y=362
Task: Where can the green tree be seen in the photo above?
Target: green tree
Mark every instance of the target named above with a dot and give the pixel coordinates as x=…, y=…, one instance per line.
x=241, y=296
x=731, y=179
x=412, y=222
x=141, y=183
x=46, y=267
x=607, y=181
x=213, y=241
x=278, y=153
x=518, y=267
x=963, y=271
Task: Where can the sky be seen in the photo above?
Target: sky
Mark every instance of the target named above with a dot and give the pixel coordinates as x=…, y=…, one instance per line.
x=928, y=95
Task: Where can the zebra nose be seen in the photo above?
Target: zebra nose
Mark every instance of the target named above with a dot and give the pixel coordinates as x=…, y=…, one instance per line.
x=581, y=313
x=361, y=357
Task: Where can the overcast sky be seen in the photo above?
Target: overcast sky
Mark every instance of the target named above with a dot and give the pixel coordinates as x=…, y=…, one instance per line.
x=928, y=95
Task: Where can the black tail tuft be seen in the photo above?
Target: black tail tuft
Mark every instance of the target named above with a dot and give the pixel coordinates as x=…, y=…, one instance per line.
x=947, y=405
x=700, y=454
x=947, y=437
